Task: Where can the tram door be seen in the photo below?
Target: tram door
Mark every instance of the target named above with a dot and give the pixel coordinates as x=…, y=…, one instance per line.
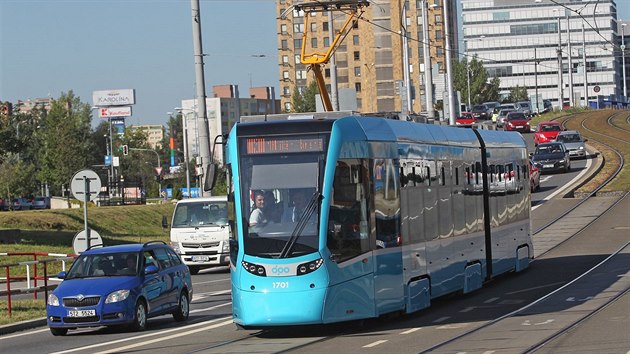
x=388, y=272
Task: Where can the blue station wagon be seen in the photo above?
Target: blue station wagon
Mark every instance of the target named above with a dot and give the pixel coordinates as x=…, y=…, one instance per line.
x=120, y=285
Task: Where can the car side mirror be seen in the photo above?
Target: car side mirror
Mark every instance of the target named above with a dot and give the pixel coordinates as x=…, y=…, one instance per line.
x=150, y=269
x=61, y=275
x=531, y=154
x=534, y=169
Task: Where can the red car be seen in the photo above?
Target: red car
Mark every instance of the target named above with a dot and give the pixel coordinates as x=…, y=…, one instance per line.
x=517, y=121
x=534, y=177
x=546, y=132
x=466, y=119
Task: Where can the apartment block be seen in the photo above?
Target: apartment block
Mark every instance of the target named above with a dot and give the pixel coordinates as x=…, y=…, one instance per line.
x=369, y=61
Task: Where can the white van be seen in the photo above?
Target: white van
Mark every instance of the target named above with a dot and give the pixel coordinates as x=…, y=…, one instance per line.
x=200, y=233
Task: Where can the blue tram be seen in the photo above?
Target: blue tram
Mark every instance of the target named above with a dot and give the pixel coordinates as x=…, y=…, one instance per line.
x=357, y=217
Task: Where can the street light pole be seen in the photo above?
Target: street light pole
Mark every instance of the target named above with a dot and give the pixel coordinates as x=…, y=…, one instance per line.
x=560, y=84
x=571, y=103
x=467, y=72
x=185, y=137
x=449, y=66
x=584, y=64
x=428, y=74
x=623, y=60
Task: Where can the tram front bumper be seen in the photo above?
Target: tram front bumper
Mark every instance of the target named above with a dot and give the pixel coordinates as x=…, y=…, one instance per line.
x=277, y=308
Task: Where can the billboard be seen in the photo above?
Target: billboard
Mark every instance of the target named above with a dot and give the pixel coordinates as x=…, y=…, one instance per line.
x=114, y=97
x=109, y=112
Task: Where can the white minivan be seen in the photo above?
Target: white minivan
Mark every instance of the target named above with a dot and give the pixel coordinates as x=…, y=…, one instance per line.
x=200, y=233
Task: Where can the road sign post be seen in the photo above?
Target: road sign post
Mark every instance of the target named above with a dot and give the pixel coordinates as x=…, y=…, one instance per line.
x=86, y=185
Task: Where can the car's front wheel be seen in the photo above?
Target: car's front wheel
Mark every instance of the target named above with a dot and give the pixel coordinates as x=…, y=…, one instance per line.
x=183, y=308
x=140, y=317
x=58, y=331
x=194, y=269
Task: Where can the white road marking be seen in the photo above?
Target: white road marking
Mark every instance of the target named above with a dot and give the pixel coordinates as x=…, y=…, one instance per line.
x=492, y=299
x=210, y=308
x=210, y=281
x=172, y=336
x=24, y=333
x=467, y=309
x=197, y=296
x=442, y=319
x=374, y=344
x=453, y=326
x=411, y=330
x=183, y=331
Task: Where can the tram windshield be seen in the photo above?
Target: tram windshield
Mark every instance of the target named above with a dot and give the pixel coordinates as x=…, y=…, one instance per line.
x=280, y=200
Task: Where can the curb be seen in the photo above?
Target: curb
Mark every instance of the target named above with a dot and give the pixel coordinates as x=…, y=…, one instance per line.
x=23, y=325
x=596, y=156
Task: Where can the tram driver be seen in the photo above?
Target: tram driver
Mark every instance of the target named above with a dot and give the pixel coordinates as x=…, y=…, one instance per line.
x=258, y=214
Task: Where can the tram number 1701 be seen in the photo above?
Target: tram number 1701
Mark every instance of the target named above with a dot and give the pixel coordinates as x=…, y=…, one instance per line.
x=280, y=284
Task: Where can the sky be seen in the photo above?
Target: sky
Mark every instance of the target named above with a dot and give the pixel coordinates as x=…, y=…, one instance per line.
x=49, y=47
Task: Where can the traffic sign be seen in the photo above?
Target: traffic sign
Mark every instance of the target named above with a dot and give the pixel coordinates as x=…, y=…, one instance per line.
x=158, y=170
x=78, y=185
x=80, y=244
x=596, y=89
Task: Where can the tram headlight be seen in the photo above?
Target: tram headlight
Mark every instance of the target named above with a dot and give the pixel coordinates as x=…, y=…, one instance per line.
x=254, y=268
x=309, y=267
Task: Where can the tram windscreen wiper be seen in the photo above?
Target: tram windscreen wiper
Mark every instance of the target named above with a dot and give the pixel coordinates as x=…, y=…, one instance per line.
x=297, y=231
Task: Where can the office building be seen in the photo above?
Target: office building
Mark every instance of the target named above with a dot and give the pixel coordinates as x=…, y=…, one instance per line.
x=519, y=42
x=223, y=110
x=369, y=61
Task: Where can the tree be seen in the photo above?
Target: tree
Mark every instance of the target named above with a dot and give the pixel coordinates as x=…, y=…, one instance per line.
x=518, y=93
x=305, y=102
x=66, y=142
x=482, y=89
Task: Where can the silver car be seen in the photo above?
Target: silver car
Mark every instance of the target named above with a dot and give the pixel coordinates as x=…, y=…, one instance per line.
x=573, y=142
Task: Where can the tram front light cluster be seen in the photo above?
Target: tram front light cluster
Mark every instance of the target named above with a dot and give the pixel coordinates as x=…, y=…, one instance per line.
x=254, y=269
x=312, y=266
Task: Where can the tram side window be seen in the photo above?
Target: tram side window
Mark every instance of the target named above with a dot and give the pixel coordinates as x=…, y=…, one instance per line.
x=386, y=203
x=348, y=230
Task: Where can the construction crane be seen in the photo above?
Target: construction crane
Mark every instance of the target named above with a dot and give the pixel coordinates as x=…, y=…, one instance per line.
x=353, y=9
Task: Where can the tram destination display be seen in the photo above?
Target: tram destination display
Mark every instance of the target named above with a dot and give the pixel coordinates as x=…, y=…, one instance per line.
x=275, y=145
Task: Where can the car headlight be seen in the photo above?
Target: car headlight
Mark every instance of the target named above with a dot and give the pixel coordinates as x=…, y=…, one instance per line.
x=581, y=147
x=226, y=247
x=53, y=300
x=175, y=246
x=117, y=296
x=561, y=161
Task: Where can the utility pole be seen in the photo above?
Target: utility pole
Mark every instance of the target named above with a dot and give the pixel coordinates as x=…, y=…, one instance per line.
x=334, y=96
x=584, y=64
x=623, y=60
x=405, y=48
x=560, y=84
x=571, y=103
x=449, y=66
x=536, y=80
x=204, y=139
x=428, y=75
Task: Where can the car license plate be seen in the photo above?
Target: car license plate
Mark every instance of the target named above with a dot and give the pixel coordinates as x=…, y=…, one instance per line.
x=519, y=127
x=547, y=166
x=200, y=258
x=81, y=313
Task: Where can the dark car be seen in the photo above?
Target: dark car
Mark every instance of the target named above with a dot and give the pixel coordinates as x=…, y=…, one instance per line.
x=517, y=121
x=120, y=285
x=551, y=157
x=480, y=111
x=5, y=205
x=22, y=204
x=41, y=203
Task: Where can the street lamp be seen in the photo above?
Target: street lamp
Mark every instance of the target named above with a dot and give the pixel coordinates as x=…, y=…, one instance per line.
x=428, y=75
x=185, y=137
x=623, y=60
